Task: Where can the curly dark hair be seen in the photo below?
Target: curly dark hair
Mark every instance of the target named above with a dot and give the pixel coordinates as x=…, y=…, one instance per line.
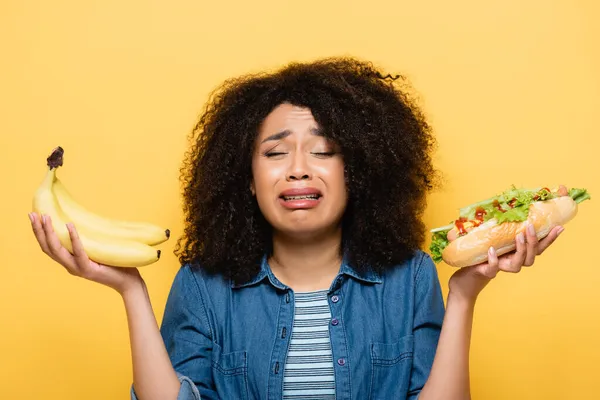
x=386, y=145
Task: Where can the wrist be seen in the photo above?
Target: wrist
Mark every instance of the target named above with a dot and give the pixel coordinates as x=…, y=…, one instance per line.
x=460, y=300
x=133, y=289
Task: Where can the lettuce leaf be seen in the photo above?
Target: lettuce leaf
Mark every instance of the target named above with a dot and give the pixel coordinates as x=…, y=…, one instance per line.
x=517, y=214
x=439, y=241
x=509, y=200
x=579, y=195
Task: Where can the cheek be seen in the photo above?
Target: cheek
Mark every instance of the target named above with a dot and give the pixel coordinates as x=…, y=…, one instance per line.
x=265, y=179
x=335, y=178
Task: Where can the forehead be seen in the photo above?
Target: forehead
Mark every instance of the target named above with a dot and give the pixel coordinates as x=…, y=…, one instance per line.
x=288, y=117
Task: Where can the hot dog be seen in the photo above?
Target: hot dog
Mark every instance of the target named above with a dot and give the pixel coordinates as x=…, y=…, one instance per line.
x=497, y=221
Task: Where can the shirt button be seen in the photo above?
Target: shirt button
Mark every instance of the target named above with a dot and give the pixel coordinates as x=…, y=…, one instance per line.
x=341, y=361
x=334, y=322
x=335, y=299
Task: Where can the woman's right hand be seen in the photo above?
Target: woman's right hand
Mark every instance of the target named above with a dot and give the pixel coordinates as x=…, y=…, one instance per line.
x=78, y=263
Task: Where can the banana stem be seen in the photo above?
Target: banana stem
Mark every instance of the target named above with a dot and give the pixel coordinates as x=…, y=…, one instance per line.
x=55, y=159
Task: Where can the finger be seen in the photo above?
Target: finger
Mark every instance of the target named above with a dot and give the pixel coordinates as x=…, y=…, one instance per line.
x=548, y=240
x=517, y=259
x=532, y=245
x=79, y=255
x=61, y=254
x=38, y=231
x=78, y=252
x=492, y=267
x=52, y=240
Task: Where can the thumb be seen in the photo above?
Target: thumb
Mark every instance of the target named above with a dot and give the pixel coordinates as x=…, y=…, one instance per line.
x=487, y=270
x=491, y=267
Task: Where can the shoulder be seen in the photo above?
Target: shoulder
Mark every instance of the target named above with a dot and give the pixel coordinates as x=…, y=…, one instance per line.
x=416, y=278
x=193, y=280
x=192, y=298
x=419, y=266
x=425, y=269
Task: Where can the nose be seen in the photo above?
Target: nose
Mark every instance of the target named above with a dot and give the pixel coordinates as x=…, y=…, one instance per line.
x=299, y=169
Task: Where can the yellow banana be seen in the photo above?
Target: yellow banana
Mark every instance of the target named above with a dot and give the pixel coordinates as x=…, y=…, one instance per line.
x=99, y=248
x=87, y=221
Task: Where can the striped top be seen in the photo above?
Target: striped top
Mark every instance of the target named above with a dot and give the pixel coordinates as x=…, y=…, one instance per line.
x=309, y=366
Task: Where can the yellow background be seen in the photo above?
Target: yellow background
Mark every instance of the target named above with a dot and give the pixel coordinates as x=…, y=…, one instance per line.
x=512, y=89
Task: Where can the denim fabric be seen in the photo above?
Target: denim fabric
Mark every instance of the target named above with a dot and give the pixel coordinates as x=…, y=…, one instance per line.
x=231, y=341
x=187, y=391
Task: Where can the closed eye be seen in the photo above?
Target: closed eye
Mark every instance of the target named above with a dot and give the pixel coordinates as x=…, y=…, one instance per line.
x=273, y=154
x=325, y=154
x=270, y=154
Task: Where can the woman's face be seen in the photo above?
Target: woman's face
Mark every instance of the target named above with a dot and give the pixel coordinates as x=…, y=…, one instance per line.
x=298, y=176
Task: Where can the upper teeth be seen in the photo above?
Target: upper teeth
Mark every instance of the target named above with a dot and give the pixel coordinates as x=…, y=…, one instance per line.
x=308, y=196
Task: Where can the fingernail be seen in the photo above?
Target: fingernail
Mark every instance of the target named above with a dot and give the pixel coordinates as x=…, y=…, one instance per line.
x=530, y=229
x=492, y=252
x=43, y=219
x=30, y=217
x=521, y=237
x=560, y=230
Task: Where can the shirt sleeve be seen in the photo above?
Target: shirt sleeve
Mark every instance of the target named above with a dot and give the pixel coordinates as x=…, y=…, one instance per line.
x=188, y=390
x=427, y=326
x=187, y=335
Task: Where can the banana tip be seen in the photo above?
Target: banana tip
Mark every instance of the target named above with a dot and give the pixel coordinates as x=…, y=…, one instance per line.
x=158, y=254
x=168, y=233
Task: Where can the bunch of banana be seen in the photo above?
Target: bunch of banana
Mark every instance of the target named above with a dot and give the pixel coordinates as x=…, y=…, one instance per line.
x=106, y=241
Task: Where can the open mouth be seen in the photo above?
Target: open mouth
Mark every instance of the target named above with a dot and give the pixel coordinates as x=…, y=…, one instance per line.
x=302, y=197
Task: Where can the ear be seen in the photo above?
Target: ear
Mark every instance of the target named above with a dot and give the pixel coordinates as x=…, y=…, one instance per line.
x=252, y=189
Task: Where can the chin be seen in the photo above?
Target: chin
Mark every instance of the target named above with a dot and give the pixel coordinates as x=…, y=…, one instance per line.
x=304, y=223
x=303, y=229
x=302, y=234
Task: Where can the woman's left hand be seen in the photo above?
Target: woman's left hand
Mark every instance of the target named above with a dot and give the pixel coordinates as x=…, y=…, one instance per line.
x=467, y=283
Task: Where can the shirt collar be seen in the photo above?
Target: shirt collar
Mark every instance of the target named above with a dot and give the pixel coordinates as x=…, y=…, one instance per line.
x=369, y=276
x=265, y=272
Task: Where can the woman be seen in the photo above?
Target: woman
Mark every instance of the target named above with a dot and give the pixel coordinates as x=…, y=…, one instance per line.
x=301, y=271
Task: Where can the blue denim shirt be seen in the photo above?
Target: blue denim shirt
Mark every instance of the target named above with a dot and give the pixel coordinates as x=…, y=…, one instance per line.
x=230, y=342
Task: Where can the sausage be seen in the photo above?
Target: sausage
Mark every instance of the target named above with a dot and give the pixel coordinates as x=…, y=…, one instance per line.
x=452, y=234
x=562, y=190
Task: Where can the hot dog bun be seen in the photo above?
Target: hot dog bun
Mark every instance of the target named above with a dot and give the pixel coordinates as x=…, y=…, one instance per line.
x=472, y=248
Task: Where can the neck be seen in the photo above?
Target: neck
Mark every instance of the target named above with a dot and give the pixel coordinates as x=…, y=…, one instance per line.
x=306, y=265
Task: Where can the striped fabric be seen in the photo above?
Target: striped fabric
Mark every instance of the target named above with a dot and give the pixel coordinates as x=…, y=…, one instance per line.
x=309, y=365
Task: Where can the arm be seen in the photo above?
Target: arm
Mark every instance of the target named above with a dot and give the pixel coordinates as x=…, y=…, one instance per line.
x=449, y=376
x=188, y=336
x=153, y=374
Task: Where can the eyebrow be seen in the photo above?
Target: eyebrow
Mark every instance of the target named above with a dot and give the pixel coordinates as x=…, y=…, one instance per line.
x=285, y=133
